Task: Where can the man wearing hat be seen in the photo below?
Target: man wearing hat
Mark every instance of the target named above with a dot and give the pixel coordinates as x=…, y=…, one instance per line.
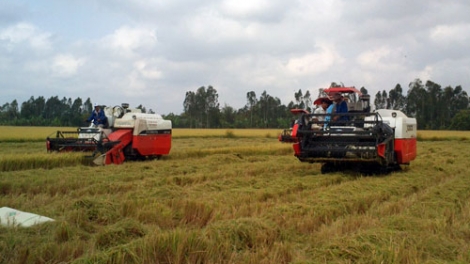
x=323, y=104
x=340, y=107
x=98, y=117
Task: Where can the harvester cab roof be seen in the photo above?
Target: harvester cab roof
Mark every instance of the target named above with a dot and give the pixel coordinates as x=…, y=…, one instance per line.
x=357, y=102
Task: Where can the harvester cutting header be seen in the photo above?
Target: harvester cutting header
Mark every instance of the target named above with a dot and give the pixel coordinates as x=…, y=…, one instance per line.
x=126, y=134
x=348, y=134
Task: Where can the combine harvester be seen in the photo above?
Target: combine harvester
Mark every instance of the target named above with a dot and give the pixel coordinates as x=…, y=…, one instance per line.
x=371, y=142
x=130, y=135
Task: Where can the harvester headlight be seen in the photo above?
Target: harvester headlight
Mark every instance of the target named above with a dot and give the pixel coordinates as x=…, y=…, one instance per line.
x=394, y=114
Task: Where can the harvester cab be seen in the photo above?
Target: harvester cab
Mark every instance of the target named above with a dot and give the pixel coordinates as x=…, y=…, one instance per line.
x=130, y=135
x=381, y=140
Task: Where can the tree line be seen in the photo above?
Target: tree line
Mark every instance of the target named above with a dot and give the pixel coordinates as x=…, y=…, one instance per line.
x=433, y=106
x=48, y=112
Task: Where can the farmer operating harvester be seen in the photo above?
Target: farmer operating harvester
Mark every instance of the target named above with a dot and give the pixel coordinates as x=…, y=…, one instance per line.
x=349, y=135
x=125, y=134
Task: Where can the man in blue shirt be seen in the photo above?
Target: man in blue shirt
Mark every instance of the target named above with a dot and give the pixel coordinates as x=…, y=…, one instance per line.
x=341, y=108
x=331, y=109
x=338, y=107
x=98, y=117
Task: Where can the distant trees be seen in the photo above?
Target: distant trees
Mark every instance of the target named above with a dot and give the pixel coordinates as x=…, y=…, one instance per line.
x=251, y=102
x=396, y=99
x=461, y=121
x=42, y=112
x=434, y=107
x=9, y=111
x=303, y=101
x=202, y=108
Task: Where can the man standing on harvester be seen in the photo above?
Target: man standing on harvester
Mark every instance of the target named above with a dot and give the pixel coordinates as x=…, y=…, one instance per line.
x=98, y=117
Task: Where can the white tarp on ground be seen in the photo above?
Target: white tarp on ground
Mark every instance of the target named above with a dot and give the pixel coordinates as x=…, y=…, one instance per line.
x=13, y=217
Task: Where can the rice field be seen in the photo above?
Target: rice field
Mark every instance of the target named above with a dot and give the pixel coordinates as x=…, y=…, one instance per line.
x=234, y=196
x=443, y=135
x=22, y=134
x=18, y=134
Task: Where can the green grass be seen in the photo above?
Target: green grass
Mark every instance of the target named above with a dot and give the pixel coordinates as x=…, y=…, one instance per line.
x=238, y=199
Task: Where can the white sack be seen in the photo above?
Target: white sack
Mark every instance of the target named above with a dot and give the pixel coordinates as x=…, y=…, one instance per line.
x=13, y=217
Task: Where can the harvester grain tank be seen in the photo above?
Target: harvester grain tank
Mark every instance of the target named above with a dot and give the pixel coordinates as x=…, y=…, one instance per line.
x=130, y=135
x=381, y=140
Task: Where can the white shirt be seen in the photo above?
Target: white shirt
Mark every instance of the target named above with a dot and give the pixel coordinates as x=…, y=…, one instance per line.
x=320, y=110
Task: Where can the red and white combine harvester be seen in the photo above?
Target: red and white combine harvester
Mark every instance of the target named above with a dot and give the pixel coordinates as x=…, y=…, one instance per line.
x=378, y=141
x=130, y=135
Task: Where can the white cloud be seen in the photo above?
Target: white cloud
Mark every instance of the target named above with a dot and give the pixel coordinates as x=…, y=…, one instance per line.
x=265, y=70
x=128, y=41
x=242, y=8
x=373, y=58
x=451, y=34
x=425, y=74
x=383, y=58
x=25, y=33
x=211, y=27
x=134, y=85
x=147, y=71
x=319, y=11
x=66, y=65
x=150, y=49
x=314, y=63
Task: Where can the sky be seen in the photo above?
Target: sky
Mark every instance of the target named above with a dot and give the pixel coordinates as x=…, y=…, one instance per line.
x=152, y=52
